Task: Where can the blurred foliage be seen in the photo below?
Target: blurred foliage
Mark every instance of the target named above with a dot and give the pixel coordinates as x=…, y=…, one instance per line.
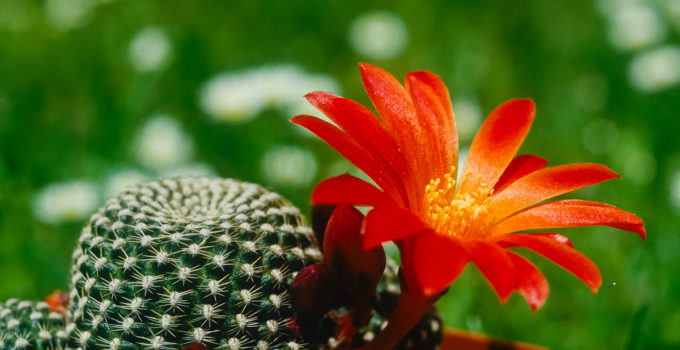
x=71, y=104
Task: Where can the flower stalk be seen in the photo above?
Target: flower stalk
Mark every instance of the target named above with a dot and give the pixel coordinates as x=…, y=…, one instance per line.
x=409, y=310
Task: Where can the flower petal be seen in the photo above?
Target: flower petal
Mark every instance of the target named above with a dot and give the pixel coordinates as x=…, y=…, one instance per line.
x=433, y=106
x=552, y=236
x=347, y=189
x=347, y=261
x=561, y=254
x=569, y=213
x=530, y=282
x=350, y=149
x=547, y=183
x=432, y=262
x=497, y=142
x=399, y=116
x=392, y=103
x=519, y=167
x=364, y=128
x=390, y=223
x=495, y=264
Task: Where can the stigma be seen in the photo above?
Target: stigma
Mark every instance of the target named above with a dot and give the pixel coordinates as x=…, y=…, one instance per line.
x=452, y=213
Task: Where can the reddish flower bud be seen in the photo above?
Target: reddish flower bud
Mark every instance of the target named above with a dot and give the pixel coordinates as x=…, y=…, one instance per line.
x=58, y=302
x=356, y=269
x=195, y=346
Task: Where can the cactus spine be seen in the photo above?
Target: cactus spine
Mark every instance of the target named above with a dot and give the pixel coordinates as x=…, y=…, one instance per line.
x=30, y=325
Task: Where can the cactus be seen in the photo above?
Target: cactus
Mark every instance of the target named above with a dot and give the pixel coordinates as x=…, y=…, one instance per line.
x=197, y=261
x=30, y=325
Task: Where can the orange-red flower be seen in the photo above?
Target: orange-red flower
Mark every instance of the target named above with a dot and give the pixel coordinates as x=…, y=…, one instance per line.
x=441, y=221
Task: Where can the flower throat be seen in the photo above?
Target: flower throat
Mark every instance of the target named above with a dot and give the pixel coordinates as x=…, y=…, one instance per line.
x=453, y=213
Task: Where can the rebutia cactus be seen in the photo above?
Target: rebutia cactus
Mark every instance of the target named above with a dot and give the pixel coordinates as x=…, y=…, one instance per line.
x=183, y=261
x=30, y=325
x=204, y=262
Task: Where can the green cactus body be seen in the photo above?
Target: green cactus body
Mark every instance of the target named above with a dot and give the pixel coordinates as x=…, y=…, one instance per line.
x=183, y=261
x=30, y=325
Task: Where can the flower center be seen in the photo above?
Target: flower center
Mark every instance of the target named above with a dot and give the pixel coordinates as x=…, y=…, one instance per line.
x=452, y=213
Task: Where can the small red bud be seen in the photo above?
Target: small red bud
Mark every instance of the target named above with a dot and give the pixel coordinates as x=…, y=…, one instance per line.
x=58, y=302
x=195, y=346
x=312, y=292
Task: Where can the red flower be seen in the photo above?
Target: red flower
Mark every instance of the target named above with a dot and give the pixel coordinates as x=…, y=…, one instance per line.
x=439, y=221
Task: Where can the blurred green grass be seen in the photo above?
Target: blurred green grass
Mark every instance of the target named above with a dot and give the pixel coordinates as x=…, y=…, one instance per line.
x=71, y=104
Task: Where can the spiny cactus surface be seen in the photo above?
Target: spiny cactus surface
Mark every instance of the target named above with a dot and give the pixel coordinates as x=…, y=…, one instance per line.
x=30, y=325
x=185, y=261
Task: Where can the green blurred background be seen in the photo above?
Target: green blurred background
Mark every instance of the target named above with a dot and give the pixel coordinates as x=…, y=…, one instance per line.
x=96, y=95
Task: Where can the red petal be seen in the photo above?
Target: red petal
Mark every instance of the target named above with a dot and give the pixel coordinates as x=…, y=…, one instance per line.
x=497, y=142
x=569, y=213
x=344, y=254
x=493, y=262
x=432, y=262
x=396, y=109
x=519, y=167
x=530, y=282
x=553, y=236
x=195, y=346
x=347, y=189
x=433, y=106
x=390, y=223
x=547, y=183
x=561, y=254
x=364, y=128
x=350, y=149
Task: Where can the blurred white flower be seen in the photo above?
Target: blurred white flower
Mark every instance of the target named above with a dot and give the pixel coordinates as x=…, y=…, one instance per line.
x=610, y=8
x=675, y=189
x=122, y=180
x=655, y=69
x=635, y=27
x=241, y=96
x=600, y=136
x=289, y=166
x=378, y=35
x=190, y=170
x=278, y=84
x=150, y=49
x=232, y=97
x=162, y=143
x=65, y=201
x=468, y=116
x=68, y=14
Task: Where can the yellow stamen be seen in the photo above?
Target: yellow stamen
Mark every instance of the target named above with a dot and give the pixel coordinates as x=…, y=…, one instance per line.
x=455, y=214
